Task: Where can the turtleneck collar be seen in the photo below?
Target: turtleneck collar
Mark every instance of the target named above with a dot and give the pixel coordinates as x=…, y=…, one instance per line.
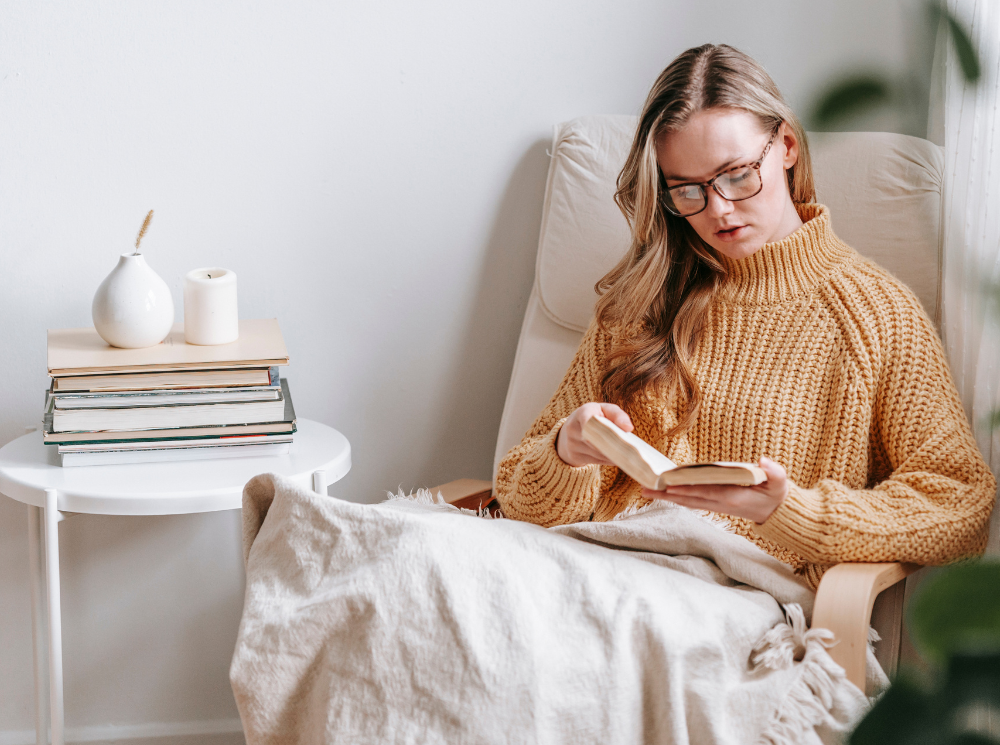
x=787, y=268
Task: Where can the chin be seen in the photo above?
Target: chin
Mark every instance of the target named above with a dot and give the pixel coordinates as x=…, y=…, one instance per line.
x=738, y=251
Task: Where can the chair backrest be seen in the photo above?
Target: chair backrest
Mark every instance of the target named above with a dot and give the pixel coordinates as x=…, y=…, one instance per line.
x=883, y=191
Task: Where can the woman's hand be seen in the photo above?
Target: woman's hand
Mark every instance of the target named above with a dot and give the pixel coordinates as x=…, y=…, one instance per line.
x=571, y=446
x=753, y=502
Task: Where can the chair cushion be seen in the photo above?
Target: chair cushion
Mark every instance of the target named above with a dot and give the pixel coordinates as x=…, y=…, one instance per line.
x=883, y=191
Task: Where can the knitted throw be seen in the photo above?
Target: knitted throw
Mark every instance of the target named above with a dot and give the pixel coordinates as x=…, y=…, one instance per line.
x=821, y=360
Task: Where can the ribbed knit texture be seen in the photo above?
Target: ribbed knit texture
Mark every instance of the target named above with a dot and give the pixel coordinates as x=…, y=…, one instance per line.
x=822, y=361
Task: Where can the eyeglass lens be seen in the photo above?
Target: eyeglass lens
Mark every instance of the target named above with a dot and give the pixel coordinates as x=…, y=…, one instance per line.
x=735, y=185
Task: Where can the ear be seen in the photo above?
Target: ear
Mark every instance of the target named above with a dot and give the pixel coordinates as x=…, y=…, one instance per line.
x=787, y=137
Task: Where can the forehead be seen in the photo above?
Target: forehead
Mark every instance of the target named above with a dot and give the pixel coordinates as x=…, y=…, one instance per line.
x=711, y=140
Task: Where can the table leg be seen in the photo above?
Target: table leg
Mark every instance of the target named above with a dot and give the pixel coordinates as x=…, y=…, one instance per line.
x=55, y=616
x=319, y=482
x=36, y=564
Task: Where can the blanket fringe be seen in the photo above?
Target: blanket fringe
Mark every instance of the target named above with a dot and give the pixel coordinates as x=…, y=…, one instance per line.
x=716, y=520
x=812, y=695
x=636, y=508
x=420, y=496
x=425, y=498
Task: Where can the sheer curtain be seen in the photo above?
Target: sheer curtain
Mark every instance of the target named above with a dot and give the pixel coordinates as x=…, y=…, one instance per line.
x=970, y=320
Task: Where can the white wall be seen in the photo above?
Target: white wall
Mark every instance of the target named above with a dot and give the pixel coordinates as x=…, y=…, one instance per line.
x=373, y=171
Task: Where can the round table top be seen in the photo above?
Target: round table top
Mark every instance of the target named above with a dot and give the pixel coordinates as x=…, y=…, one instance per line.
x=28, y=468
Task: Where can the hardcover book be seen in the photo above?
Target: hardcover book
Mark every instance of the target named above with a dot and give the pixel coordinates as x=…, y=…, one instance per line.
x=284, y=425
x=164, y=417
x=653, y=470
x=82, y=351
x=137, y=399
x=207, y=442
x=166, y=380
x=120, y=457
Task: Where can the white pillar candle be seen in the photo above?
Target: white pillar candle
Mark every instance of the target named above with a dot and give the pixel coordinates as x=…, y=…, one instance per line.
x=210, y=312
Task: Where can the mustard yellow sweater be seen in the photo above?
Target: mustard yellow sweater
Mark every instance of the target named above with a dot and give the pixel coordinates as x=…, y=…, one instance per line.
x=819, y=359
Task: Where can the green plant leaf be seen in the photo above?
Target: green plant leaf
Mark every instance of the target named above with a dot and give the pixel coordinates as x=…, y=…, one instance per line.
x=900, y=717
x=972, y=680
x=972, y=738
x=957, y=611
x=849, y=97
x=968, y=57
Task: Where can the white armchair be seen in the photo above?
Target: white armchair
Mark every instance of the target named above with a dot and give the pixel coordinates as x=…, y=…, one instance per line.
x=884, y=194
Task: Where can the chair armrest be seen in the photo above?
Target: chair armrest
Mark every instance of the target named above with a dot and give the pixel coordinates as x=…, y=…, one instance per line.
x=470, y=494
x=844, y=603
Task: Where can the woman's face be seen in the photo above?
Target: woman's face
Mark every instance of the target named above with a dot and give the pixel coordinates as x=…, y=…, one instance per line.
x=715, y=140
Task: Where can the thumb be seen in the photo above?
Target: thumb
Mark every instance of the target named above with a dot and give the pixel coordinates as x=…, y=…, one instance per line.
x=773, y=469
x=618, y=416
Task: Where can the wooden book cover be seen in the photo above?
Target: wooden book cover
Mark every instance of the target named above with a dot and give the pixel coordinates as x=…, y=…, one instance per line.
x=82, y=351
x=653, y=470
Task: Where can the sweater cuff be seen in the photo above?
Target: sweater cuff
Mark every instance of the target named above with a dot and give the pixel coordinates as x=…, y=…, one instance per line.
x=552, y=492
x=795, y=525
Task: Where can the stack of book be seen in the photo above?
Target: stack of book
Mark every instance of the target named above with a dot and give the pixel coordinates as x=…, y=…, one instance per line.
x=174, y=401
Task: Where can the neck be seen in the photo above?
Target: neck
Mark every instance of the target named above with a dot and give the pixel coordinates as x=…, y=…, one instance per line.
x=784, y=269
x=790, y=222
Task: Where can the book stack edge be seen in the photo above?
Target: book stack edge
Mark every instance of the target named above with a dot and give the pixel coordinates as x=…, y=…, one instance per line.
x=171, y=402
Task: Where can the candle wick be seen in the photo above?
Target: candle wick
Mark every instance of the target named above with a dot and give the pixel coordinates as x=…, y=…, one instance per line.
x=209, y=276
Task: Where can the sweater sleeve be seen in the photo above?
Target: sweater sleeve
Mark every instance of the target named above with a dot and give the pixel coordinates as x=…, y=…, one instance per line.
x=934, y=507
x=533, y=483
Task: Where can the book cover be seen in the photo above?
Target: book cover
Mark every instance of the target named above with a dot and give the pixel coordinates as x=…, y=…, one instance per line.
x=79, y=351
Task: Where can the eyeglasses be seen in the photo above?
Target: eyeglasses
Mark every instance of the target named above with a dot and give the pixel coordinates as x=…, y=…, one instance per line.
x=734, y=185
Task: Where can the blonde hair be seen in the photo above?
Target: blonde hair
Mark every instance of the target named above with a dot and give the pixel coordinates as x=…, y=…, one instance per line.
x=655, y=300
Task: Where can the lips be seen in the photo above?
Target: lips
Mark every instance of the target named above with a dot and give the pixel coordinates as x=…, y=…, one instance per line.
x=730, y=233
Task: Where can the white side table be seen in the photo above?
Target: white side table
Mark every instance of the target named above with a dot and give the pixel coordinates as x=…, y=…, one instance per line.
x=30, y=473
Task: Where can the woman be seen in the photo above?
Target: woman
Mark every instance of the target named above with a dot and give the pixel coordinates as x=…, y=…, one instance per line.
x=738, y=327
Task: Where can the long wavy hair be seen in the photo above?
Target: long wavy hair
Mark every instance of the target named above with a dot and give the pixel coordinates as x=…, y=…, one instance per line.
x=654, y=302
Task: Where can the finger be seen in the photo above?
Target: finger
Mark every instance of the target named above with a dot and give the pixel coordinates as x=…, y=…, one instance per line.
x=693, y=502
x=774, y=470
x=713, y=492
x=618, y=416
x=668, y=497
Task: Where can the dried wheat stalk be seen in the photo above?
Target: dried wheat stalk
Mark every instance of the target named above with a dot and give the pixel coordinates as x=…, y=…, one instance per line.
x=142, y=231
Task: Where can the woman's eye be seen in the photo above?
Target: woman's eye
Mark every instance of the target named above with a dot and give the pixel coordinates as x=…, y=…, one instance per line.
x=737, y=177
x=686, y=192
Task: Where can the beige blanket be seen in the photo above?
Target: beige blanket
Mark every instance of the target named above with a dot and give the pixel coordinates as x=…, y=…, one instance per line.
x=411, y=622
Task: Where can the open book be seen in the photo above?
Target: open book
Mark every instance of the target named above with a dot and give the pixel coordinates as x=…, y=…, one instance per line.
x=653, y=469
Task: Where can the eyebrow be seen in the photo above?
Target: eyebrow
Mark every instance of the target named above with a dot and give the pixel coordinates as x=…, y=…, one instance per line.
x=717, y=171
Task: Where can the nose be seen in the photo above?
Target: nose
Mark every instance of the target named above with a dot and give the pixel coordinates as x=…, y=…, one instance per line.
x=717, y=206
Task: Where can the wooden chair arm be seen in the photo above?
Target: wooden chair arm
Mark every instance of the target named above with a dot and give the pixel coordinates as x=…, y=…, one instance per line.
x=470, y=494
x=844, y=603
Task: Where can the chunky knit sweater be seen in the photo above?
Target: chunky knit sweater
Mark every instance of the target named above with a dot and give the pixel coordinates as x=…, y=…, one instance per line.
x=817, y=358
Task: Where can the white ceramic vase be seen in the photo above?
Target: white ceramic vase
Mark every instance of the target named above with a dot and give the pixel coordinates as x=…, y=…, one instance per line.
x=133, y=307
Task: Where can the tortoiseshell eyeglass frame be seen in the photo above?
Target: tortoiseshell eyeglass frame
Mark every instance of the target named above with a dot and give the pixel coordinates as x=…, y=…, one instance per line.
x=665, y=191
